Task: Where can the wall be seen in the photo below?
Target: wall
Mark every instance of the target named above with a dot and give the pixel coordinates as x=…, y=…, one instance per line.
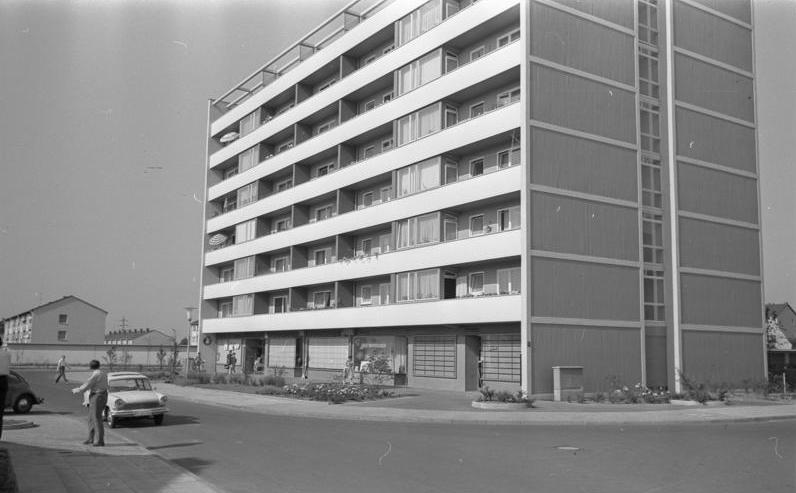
x=81, y=354
x=85, y=323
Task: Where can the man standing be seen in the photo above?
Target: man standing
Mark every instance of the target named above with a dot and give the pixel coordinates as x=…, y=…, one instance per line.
x=61, y=366
x=5, y=363
x=97, y=385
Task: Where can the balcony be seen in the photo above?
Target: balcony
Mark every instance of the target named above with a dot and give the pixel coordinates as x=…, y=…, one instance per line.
x=476, y=249
x=475, y=310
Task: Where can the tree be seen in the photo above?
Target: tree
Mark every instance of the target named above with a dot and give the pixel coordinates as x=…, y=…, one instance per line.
x=110, y=357
x=775, y=337
x=161, y=356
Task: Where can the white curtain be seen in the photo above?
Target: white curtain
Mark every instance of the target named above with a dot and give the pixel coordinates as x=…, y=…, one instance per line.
x=246, y=160
x=244, y=268
x=405, y=129
x=427, y=284
x=406, y=79
x=428, y=228
x=429, y=120
x=245, y=231
x=243, y=304
x=428, y=174
x=430, y=15
x=430, y=67
x=402, y=286
x=247, y=194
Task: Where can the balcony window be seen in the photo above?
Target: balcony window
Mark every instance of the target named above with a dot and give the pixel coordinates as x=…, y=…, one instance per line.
x=475, y=284
x=322, y=256
x=283, y=185
x=477, y=110
x=243, y=305
x=508, y=38
x=279, y=304
x=279, y=264
x=451, y=61
x=386, y=98
x=230, y=203
x=230, y=172
x=247, y=194
x=451, y=227
x=244, y=268
x=508, y=97
x=284, y=147
x=386, y=193
x=227, y=274
x=246, y=231
x=418, y=177
x=323, y=213
x=451, y=115
x=370, y=105
x=477, y=225
x=509, y=157
x=386, y=145
x=508, y=219
x=321, y=299
x=477, y=167
x=419, y=72
x=508, y=281
x=324, y=170
x=368, y=152
x=367, y=199
x=419, y=21
x=367, y=246
x=281, y=225
x=417, y=231
x=366, y=295
x=247, y=123
x=384, y=293
x=384, y=243
x=224, y=309
x=247, y=159
x=419, y=124
x=451, y=172
x=418, y=285
x=62, y=335
x=477, y=53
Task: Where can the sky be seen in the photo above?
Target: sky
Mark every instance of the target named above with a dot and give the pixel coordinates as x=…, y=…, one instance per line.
x=103, y=114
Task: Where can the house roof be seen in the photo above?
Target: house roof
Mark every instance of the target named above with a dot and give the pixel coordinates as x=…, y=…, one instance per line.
x=132, y=334
x=780, y=307
x=57, y=301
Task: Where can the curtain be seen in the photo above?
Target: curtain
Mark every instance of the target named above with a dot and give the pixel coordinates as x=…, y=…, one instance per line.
x=246, y=160
x=428, y=174
x=429, y=67
x=427, y=284
x=247, y=194
x=243, y=304
x=428, y=120
x=402, y=286
x=244, y=268
x=405, y=79
x=428, y=228
x=430, y=15
x=405, y=130
x=245, y=231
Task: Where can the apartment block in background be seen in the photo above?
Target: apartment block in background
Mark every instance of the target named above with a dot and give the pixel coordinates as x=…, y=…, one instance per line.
x=66, y=320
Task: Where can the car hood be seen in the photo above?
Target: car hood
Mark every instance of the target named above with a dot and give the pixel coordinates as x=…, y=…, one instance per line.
x=133, y=396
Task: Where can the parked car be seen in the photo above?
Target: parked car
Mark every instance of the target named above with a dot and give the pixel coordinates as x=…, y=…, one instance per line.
x=20, y=396
x=130, y=395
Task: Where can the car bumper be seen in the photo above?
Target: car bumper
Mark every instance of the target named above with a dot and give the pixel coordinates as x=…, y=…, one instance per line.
x=138, y=413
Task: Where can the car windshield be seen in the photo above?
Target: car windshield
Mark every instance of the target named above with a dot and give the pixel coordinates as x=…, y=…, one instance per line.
x=128, y=384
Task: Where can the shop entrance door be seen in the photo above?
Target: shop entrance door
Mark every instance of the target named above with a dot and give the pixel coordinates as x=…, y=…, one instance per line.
x=472, y=362
x=252, y=349
x=298, y=372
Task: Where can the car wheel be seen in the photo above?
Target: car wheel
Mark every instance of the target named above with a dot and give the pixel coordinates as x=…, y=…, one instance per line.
x=23, y=404
x=112, y=422
x=158, y=419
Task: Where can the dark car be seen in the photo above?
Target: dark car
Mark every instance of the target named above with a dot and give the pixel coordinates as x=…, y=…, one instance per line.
x=20, y=396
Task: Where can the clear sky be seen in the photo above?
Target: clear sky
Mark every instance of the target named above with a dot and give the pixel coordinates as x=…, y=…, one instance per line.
x=103, y=130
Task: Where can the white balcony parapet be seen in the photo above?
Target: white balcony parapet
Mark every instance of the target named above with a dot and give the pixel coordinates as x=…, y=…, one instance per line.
x=475, y=310
x=481, y=188
x=476, y=249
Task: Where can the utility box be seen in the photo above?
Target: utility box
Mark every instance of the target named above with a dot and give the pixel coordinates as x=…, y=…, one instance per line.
x=567, y=382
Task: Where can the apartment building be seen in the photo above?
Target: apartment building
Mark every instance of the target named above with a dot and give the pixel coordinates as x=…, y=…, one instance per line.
x=68, y=320
x=472, y=193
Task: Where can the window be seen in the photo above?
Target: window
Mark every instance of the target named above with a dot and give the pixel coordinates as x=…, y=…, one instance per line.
x=654, y=308
x=648, y=72
x=451, y=116
x=477, y=53
x=451, y=61
x=388, y=49
x=477, y=225
x=327, y=84
x=324, y=170
x=367, y=246
x=384, y=293
x=451, y=227
x=284, y=147
x=283, y=185
x=368, y=152
x=323, y=213
x=279, y=264
x=649, y=114
x=366, y=295
x=386, y=145
x=477, y=109
x=230, y=172
x=247, y=123
x=477, y=167
x=244, y=268
x=279, y=304
x=243, y=305
x=387, y=97
x=247, y=194
x=63, y=319
x=508, y=281
x=386, y=194
x=418, y=177
x=419, y=124
x=321, y=299
x=508, y=38
x=321, y=257
x=281, y=225
x=419, y=21
x=384, y=243
x=224, y=309
x=419, y=72
x=61, y=335
x=418, y=285
x=246, y=231
x=367, y=199
x=648, y=22
x=651, y=195
x=652, y=237
x=368, y=60
x=324, y=127
x=451, y=172
x=417, y=231
x=508, y=158
x=475, y=283
x=508, y=218
x=247, y=159
x=370, y=105
x=227, y=274
x=508, y=97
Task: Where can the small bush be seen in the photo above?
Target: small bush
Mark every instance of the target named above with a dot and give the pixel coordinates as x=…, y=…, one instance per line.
x=218, y=378
x=275, y=380
x=487, y=394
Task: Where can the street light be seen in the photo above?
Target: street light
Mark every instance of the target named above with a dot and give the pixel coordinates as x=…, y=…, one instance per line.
x=189, y=316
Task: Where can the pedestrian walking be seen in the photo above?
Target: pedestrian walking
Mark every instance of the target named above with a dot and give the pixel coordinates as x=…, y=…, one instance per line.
x=97, y=386
x=232, y=360
x=5, y=363
x=61, y=366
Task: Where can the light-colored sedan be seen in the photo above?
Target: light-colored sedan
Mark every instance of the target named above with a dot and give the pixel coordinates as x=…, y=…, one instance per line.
x=130, y=395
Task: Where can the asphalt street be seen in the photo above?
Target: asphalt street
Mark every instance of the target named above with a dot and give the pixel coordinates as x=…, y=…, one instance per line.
x=240, y=451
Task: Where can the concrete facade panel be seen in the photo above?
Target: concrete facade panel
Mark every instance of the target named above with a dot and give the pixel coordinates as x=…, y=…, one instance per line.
x=714, y=88
x=582, y=104
x=582, y=44
x=704, y=33
x=730, y=197
x=707, y=245
x=720, y=301
x=714, y=140
x=571, y=163
x=739, y=9
x=562, y=288
x=571, y=225
x=603, y=352
x=655, y=359
x=85, y=324
x=616, y=11
x=719, y=357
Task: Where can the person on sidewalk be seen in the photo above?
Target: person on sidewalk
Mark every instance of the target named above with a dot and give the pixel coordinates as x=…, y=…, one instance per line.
x=97, y=385
x=5, y=363
x=61, y=366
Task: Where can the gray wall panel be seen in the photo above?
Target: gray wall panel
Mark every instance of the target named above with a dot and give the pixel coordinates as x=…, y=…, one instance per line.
x=603, y=352
x=655, y=354
x=731, y=196
x=714, y=140
x=562, y=288
x=713, y=88
x=570, y=225
x=706, y=245
x=740, y=9
x=717, y=301
x=711, y=36
x=616, y=11
x=572, y=163
x=582, y=104
x=717, y=357
x=570, y=40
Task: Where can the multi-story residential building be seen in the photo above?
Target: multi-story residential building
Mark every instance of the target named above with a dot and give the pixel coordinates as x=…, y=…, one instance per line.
x=481, y=191
x=66, y=320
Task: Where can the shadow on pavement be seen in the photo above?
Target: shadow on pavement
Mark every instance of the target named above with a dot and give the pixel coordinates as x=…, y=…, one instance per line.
x=173, y=445
x=168, y=420
x=193, y=464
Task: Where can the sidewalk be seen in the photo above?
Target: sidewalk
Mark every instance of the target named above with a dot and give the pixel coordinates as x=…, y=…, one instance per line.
x=50, y=458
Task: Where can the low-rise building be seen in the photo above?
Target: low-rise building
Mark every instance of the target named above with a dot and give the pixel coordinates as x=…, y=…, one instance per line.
x=66, y=320
x=138, y=337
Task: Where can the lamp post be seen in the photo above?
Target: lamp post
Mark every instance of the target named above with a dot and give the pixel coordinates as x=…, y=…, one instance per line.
x=189, y=316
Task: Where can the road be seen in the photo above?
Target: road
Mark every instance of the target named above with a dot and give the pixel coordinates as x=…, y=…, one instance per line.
x=249, y=452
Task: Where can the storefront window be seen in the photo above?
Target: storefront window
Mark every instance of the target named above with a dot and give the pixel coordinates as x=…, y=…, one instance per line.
x=380, y=353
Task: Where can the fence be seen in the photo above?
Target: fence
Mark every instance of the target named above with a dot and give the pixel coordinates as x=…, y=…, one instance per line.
x=78, y=355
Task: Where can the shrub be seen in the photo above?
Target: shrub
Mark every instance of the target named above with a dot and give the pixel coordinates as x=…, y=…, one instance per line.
x=218, y=378
x=622, y=394
x=487, y=394
x=274, y=380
